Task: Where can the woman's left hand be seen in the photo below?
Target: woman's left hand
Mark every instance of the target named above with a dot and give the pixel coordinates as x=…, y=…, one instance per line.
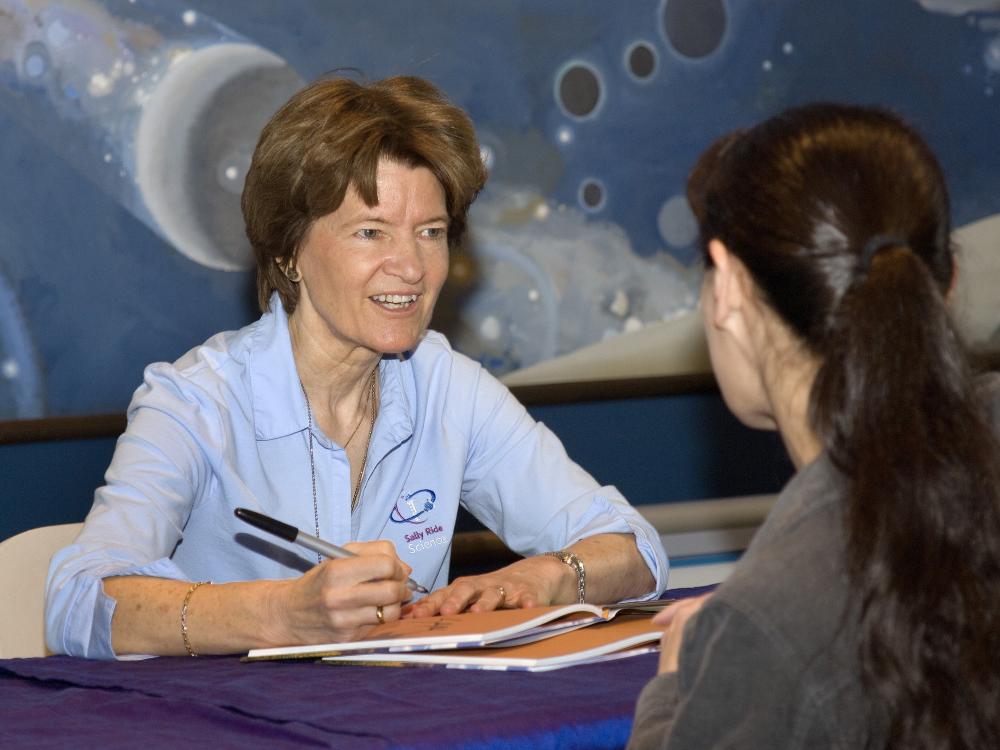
x=675, y=617
x=531, y=582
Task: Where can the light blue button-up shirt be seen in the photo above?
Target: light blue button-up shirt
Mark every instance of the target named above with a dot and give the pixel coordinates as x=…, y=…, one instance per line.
x=226, y=426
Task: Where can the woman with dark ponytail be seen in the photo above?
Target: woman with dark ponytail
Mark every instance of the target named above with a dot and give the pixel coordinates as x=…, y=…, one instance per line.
x=866, y=612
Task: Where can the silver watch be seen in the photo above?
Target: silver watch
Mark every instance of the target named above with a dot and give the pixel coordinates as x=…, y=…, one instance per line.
x=574, y=561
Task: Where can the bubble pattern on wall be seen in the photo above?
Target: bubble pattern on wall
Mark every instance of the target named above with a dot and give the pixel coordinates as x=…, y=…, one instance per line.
x=579, y=90
x=593, y=194
x=694, y=28
x=641, y=60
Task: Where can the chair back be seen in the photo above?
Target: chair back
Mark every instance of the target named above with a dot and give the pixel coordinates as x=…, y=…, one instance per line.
x=24, y=564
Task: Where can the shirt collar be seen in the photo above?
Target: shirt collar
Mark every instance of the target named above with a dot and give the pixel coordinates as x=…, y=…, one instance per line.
x=279, y=406
x=395, y=414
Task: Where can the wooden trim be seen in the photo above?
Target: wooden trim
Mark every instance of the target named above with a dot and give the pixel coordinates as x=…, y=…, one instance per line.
x=62, y=428
x=659, y=385
x=112, y=425
x=609, y=390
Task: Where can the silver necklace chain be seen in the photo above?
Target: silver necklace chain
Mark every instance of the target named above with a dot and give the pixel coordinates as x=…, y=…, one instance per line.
x=356, y=495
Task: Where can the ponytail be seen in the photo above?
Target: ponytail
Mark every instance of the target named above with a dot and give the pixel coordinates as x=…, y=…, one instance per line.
x=895, y=407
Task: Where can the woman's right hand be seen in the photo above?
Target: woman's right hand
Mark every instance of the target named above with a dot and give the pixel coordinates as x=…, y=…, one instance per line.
x=338, y=599
x=674, y=618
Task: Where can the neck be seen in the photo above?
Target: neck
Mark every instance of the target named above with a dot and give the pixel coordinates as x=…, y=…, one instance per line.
x=336, y=384
x=791, y=414
x=788, y=373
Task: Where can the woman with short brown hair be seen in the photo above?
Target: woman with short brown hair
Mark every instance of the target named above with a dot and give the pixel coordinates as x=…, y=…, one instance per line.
x=332, y=136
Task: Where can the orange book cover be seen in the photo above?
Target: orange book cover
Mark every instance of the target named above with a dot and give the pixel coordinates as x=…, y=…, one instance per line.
x=463, y=630
x=624, y=636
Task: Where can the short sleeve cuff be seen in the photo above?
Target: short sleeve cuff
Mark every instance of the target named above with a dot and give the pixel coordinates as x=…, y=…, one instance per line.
x=605, y=516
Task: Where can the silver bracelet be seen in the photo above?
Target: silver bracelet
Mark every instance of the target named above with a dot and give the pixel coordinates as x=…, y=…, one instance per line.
x=574, y=561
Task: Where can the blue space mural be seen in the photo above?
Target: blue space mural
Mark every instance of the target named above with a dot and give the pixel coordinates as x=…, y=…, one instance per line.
x=126, y=127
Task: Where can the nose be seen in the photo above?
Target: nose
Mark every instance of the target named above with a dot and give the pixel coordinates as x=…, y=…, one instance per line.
x=406, y=262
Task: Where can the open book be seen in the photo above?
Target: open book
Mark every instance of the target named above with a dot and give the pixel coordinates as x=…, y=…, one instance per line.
x=465, y=630
x=625, y=636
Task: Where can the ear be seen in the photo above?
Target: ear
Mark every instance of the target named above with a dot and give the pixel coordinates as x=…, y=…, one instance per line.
x=289, y=269
x=728, y=285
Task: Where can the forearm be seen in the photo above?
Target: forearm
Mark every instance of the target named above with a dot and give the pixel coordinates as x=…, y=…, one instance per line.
x=221, y=619
x=615, y=570
x=337, y=600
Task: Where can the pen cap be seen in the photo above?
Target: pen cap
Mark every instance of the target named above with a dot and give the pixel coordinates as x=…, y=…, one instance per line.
x=268, y=524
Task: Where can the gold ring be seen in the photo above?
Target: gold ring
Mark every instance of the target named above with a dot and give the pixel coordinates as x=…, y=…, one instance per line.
x=503, y=594
x=379, y=615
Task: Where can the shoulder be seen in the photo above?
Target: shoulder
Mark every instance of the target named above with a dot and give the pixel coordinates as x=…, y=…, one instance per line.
x=434, y=361
x=434, y=347
x=206, y=372
x=441, y=380
x=801, y=517
x=798, y=555
x=786, y=613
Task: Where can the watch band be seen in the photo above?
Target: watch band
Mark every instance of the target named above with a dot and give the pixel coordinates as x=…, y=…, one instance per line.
x=574, y=561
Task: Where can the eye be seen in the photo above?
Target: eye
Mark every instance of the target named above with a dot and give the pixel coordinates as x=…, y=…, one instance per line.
x=435, y=233
x=368, y=233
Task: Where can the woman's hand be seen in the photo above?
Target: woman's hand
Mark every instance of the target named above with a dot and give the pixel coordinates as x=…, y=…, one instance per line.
x=675, y=617
x=531, y=582
x=339, y=600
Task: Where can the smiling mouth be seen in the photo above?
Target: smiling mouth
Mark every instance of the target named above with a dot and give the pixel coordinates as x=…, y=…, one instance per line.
x=395, y=301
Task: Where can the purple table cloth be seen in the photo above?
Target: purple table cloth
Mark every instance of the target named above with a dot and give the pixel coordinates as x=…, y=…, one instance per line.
x=60, y=701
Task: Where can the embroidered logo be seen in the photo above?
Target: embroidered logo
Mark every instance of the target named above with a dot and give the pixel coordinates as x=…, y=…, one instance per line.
x=413, y=507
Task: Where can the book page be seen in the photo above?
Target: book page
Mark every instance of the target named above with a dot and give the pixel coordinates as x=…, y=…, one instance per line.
x=579, y=646
x=439, y=631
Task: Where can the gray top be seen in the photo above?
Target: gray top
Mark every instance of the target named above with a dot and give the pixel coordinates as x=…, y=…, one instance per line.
x=770, y=660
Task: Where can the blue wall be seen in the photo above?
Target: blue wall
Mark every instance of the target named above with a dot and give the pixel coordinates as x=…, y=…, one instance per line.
x=667, y=448
x=655, y=449
x=50, y=482
x=92, y=288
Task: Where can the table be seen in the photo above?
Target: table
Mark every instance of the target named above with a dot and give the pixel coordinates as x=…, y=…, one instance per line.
x=221, y=702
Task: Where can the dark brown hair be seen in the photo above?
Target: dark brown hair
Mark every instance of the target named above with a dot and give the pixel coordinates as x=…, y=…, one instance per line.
x=331, y=135
x=841, y=216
